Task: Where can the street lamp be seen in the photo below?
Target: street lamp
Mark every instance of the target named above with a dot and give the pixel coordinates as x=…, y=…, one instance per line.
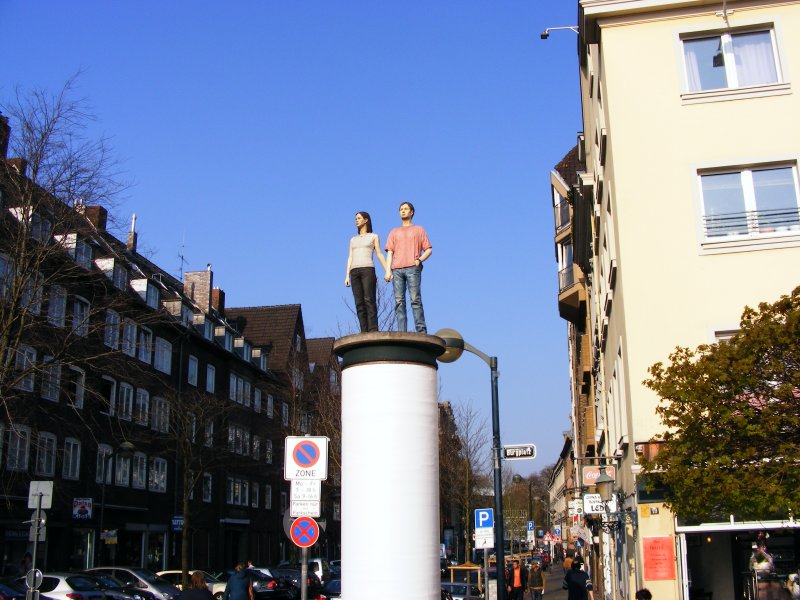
x=616, y=519
x=454, y=348
x=546, y=33
x=125, y=449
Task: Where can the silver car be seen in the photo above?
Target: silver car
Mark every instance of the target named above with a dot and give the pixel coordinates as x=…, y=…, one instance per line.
x=68, y=586
x=142, y=579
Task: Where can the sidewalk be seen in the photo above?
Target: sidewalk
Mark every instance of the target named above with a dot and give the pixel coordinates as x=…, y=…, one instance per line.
x=552, y=583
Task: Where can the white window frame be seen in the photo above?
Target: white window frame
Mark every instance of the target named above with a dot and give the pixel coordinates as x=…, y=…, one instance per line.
x=57, y=306
x=159, y=416
x=112, y=393
x=142, y=407
x=19, y=445
x=191, y=370
x=51, y=379
x=256, y=452
x=122, y=470
x=270, y=406
x=211, y=378
x=102, y=462
x=129, y=337
x=83, y=254
x=112, y=333
x=24, y=362
x=80, y=316
x=71, y=466
x=157, y=475
x=78, y=376
x=6, y=274
x=753, y=237
x=125, y=400
x=31, y=298
x=152, y=296
x=163, y=356
x=268, y=453
x=256, y=400
x=726, y=51
x=145, y=345
x=46, y=445
x=139, y=471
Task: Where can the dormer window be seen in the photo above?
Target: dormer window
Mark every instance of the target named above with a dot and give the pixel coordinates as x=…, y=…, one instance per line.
x=243, y=348
x=78, y=249
x=114, y=270
x=224, y=337
x=147, y=292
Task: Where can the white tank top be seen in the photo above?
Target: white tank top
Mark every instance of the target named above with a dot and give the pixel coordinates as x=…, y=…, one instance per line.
x=362, y=247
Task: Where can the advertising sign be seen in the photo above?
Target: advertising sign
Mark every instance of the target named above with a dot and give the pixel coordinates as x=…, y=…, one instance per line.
x=659, y=558
x=590, y=473
x=82, y=508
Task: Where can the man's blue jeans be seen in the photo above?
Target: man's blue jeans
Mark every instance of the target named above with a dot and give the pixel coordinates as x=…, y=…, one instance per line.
x=410, y=277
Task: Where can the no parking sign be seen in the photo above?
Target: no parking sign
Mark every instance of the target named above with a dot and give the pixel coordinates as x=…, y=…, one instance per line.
x=305, y=457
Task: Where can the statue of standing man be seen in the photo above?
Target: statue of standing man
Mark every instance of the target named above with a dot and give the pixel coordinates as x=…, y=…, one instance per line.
x=406, y=249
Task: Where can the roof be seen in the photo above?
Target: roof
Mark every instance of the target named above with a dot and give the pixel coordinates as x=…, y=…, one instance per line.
x=569, y=166
x=320, y=350
x=265, y=325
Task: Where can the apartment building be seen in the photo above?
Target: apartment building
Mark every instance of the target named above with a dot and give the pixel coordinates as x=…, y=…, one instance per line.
x=682, y=210
x=155, y=417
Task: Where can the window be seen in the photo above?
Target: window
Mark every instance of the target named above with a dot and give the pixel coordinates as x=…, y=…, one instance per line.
x=268, y=496
x=83, y=254
x=129, y=337
x=730, y=60
x=6, y=275
x=120, y=276
x=238, y=492
x=31, y=299
x=284, y=502
x=75, y=386
x=145, y=345
x=111, y=334
x=24, y=364
x=158, y=475
x=123, y=470
x=40, y=228
x=285, y=414
x=139, y=474
x=19, y=441
x=254, y=500
x=238, y=440
x=268, y=451
x=240, y=389
x=211, y=376
x=80, y=316
x=125, y=402
x=46, y=454
x=163, y=357
x=51, y=379
x=208, y=480
x=270, y=406
x=257, y=400
x=256, y=453
x=191, y=371
x=209, y=434
x=297, y=378
x=750, y=202
x=160, y=416
x=142, y=414
x=57, y=305
x=103, y=465
x=152, y=296
x=72, y=459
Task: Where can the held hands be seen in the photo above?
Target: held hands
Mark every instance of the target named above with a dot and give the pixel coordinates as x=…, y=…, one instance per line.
x=388, y=276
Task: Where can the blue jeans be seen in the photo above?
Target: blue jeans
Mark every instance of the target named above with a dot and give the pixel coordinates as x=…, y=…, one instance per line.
x=536, y=594
x=411, y=277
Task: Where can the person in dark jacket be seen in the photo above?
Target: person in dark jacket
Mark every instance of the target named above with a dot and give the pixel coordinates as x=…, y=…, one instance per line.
x=578, y=583
x=516, y=580
x=536, y=581
x=240, y=585
x=197, y=590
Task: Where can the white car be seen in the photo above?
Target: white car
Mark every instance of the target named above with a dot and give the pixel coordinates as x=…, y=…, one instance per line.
x=215, y=586
x=66, y=586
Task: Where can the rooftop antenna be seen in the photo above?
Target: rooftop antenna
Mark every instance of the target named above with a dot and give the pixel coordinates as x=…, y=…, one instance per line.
x=181, y=254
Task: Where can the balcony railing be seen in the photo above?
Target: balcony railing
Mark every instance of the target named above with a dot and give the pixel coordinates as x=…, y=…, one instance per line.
x=566, y=278
x=562, y=215
x=752, y=222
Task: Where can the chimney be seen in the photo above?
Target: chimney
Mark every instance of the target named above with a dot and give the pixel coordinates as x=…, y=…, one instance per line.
x=197, y=285
x=97, y=215
x=20, y=165
x=218, y=301
x=132, y=235
x=5, y=135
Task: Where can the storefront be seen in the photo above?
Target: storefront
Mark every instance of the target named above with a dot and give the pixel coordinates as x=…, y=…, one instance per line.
x=715, y=558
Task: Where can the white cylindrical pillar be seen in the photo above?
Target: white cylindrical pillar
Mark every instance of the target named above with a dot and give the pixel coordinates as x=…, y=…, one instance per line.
x=390, y=466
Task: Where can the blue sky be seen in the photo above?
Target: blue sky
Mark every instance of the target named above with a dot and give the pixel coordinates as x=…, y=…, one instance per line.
x=254, y=130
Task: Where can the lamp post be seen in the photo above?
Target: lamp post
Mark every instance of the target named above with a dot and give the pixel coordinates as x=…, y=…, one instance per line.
x=454, y=348
x=125, y=449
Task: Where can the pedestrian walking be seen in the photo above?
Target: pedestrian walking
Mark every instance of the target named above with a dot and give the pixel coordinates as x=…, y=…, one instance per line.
x=516, y=580
x=240, y=585
x=198, y=588
x=578, y=583
x=644, y=594
x=567, y=564
x=536, y=582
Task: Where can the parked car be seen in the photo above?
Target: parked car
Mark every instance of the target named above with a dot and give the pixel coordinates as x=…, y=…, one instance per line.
x=461, y=591
x=332, y=590
x=114, y=589
x=336, y=568
x=68, y=586
x=318, y=566
x=141, y=579
x=11, y=590
x=294, y=576
x=264, y=586
x=215, y=586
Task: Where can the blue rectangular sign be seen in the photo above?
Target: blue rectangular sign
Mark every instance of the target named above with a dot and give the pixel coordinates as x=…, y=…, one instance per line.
x=484, y=517
x=530, y=526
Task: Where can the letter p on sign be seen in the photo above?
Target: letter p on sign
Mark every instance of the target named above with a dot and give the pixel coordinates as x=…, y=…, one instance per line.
x=484, y=517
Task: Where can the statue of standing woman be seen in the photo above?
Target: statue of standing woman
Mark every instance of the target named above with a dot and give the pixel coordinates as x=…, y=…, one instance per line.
x=360, y=274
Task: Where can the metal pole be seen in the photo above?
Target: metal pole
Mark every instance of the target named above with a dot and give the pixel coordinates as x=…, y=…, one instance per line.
x=304, y=574
x=99, y=543
x=498, y=486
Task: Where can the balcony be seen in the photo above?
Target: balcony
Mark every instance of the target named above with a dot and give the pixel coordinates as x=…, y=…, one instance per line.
x=751, y=222
x=571, y=292
x=562, y=215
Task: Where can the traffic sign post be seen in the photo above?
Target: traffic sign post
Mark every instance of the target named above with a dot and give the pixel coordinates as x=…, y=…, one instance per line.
x=305, y=498
x=305, y=457
x=304, y=532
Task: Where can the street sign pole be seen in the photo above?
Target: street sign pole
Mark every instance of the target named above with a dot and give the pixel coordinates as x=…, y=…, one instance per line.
x=304, y=575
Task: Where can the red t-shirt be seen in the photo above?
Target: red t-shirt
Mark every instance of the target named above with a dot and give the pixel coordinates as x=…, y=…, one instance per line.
x=406, y=244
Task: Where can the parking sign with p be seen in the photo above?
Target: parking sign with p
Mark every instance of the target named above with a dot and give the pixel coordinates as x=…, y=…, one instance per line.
x=484, y=518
